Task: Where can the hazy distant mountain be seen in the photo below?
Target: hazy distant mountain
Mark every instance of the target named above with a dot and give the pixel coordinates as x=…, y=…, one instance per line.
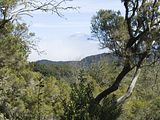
x=56, y=62
x=108, y=57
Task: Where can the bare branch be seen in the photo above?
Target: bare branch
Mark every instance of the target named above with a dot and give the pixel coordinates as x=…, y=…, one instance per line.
x=128, y=19
x=30, y=6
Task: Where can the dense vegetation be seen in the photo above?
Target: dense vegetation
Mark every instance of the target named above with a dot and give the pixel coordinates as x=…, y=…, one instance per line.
x=31, y=91
x=143, y=104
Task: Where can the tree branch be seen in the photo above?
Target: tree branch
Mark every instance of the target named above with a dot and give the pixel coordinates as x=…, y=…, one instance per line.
x=52, y=6
x=128, y=19
x=126, y=69
x=130, y=88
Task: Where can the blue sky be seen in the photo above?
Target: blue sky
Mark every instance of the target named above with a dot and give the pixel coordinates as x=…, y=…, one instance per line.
x=65, y=38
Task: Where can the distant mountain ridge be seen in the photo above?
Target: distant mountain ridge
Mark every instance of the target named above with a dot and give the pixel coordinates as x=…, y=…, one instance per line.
x=55, y=62
x=108, y=57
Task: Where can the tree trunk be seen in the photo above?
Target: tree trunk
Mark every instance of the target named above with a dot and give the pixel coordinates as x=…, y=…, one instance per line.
x=130, y=88
x=126, y=69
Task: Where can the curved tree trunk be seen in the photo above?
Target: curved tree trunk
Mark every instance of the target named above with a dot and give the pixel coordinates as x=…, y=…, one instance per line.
x=130, y=88
x=126, y=69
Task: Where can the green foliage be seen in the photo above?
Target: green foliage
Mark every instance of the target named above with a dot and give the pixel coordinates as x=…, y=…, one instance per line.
x=134, y=38
x=44, y=94
x=132, y=34
x=44, y=98
x=109, y=27
x=110, y=111
x=82, y=105
x=103, y=73
x=80, y=98
x=56, y=70
x=145, y=99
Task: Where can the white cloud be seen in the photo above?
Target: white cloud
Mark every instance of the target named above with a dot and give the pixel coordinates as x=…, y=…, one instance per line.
x=72, y=48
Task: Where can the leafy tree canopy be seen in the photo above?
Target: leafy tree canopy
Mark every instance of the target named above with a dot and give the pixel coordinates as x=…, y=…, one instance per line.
x=134, y=37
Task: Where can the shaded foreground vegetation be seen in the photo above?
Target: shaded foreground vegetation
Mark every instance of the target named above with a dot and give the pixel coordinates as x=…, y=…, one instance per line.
x=88, y=82
x=71, y=96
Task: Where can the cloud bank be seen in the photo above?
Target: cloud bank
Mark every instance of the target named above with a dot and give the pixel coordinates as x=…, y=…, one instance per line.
x=75, y=47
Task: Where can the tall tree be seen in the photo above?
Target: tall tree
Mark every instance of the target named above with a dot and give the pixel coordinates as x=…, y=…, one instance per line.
x=134, y=38
x=17, y=80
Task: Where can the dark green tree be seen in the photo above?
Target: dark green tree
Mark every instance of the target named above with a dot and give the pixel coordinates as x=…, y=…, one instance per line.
x=81, y=105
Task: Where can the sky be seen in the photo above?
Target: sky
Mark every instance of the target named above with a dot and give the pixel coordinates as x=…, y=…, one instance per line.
x=65, y=38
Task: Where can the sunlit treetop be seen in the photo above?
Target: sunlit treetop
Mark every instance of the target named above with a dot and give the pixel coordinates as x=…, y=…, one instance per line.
x=135, y=36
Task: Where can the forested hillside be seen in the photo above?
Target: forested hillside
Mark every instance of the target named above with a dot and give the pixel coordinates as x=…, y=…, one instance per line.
x=87, y=61
x=124, y=85
x=86, y=83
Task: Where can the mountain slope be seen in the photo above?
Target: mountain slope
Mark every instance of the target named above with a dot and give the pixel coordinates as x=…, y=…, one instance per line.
x=108, y=57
